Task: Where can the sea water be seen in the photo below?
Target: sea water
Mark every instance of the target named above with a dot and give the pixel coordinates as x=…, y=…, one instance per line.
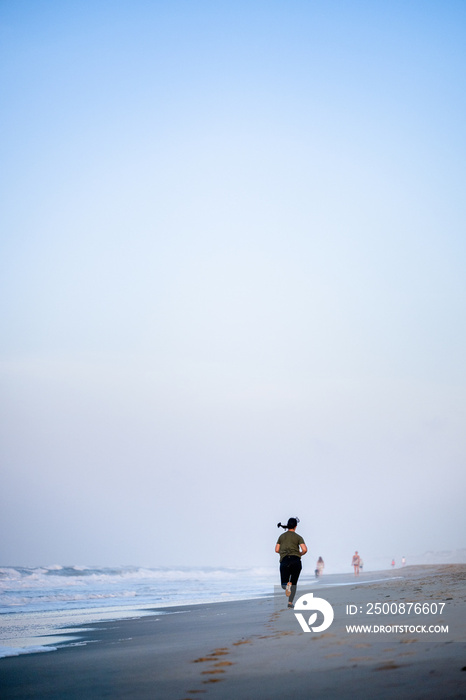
x=37, y=604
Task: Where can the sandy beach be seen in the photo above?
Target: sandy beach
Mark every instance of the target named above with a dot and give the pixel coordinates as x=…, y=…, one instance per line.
x=257, y=649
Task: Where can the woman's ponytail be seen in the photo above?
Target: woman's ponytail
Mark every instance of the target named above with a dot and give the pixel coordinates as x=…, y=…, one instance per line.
x=291, y=524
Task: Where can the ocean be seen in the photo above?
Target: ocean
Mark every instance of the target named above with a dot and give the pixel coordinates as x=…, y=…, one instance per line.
x=38, y=603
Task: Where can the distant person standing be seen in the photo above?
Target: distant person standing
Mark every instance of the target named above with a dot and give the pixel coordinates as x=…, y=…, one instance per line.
x=403, y=561
x=319, y=567
x=356, y=562
x=291, y=547
x=393, y=563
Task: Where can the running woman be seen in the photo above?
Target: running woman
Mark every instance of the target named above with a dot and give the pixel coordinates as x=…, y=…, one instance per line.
x=291, y=547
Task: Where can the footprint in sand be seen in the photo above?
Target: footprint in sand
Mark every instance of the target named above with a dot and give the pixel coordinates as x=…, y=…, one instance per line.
x=388, y=666
x=223, y=651
x=224, y=663
x=213, y=671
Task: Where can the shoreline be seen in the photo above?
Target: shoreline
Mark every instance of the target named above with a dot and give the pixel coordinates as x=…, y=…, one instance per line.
x=255, y=649
x=50, y=629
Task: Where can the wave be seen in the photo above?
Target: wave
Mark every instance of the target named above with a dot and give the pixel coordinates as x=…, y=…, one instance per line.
x=17, y=651
x=57, y=588
x=39, y=575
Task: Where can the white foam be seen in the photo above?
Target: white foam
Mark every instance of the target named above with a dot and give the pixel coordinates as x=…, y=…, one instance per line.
x=17, y=651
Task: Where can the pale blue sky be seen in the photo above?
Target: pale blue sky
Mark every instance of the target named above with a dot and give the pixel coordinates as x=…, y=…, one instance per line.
x=232, y=278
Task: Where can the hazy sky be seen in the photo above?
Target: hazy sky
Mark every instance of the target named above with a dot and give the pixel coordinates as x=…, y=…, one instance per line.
x=233, y=279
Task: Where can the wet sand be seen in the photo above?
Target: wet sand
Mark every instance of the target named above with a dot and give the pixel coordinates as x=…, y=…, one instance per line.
x=256, y=649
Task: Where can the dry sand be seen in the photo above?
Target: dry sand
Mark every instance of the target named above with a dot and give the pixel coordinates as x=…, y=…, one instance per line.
x=256, y=650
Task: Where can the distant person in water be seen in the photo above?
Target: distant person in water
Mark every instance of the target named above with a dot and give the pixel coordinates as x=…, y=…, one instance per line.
x=356, y=562
x=319, y=567
x=393, y=563
x=291, y=547
x=403, y=561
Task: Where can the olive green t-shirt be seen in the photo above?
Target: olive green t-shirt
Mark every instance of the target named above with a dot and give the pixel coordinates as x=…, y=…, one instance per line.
x=289, y=544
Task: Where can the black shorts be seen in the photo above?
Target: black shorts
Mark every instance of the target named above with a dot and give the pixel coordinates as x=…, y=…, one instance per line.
x=290, y=567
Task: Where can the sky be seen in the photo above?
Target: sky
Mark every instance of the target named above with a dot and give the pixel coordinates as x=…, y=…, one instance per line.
x=232, y=280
